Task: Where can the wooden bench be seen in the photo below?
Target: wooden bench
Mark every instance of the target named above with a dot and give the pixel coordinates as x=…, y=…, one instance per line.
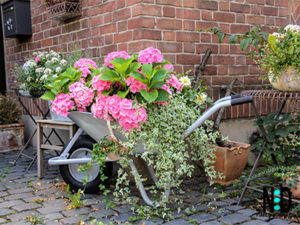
x=52, y=124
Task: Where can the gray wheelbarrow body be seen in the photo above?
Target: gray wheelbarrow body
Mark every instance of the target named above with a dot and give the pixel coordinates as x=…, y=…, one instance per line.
x=78, y=151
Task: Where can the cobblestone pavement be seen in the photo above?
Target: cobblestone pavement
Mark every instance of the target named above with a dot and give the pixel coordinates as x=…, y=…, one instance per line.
x=22, y=195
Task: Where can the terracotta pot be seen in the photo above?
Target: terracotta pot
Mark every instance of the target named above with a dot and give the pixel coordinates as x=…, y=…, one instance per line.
x=289, y=80
x=11, y=136
x=296, y=192
x=231, y=161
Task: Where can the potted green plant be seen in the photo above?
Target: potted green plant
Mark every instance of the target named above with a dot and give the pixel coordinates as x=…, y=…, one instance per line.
x=11, y=131
x=277, y=53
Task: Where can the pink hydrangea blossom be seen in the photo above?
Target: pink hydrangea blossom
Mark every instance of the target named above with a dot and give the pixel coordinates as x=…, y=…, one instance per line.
x=150, y=55
x=167, y=88
x=82, y=95
x=84, y=65
x=174, y=82
x=37, y=59
x=135, y=85
x=169, y=67
x=100, y=85
x=111, y=56
x=62, y=104
x=99, y=108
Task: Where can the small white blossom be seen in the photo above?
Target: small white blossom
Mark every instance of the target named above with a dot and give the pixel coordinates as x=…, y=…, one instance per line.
x=28, y=79
x=54, y=60
x=39, y=70
x=55, y=76
x=278, y=36
x=63, y=62
x=201, y=98
x=292, y=28
x=58, y=70
x=44, y=77
x=185, y=81
x=47, y=71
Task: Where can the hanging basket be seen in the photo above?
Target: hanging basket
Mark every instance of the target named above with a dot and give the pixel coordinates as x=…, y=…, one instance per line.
x=63, y=9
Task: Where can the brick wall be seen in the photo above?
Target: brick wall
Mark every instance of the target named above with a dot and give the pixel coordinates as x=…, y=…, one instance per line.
x=132, y=25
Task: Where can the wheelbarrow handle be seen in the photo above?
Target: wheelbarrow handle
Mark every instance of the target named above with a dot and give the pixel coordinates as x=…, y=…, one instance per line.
x=228, y=98
x=241, y=100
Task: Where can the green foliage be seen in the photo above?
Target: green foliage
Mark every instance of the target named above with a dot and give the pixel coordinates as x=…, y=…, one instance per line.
x=34, y=219
x=75, y=200
x=283, y=138
x=10, y=112
x=5, y=173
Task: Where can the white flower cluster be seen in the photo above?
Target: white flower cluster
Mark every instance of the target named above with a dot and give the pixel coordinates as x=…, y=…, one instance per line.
x=292, y=28
x=185, y=81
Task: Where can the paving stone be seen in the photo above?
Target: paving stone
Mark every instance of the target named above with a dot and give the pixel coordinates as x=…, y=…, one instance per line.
x=3, y=193
x=21, y=216
x=101, y=213
x=4, y=212
x=105, y=221
x=177, y=222
x=220, y=203
x=70, y=220
x=54, y=216
x=20, y=190
x=122, y=209
x=18, y=223
x=234, y=207
x=220, y=212
x=211, y=223
x=122, y=218
x=255, y=222
x=76, y=212
x=247, y=212
x=150, y=222
x=201, y=217
x=8, y=204
x=2, y=220
x=26, y=206
x=201, y=207
x=278, y=222
x=18, y=196
x=260, y=217
x=234, y=218
x=52, y=223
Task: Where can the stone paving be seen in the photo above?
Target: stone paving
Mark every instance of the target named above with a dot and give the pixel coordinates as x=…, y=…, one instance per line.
x=22, y=195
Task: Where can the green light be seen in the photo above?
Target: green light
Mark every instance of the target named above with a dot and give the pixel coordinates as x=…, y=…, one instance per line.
x=276, y=207
x=276, y=200
x=276, y=192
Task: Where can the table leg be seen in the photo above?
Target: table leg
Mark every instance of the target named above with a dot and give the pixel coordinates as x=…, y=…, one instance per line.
x=40, y=158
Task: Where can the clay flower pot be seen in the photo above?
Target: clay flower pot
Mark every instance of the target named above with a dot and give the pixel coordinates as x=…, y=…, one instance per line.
x=289, y=80
x=231, y=161
x=11, y=136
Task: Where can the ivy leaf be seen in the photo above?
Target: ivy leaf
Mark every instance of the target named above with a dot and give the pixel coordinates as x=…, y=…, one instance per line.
x=233, y=39
x=244, y=44
x=216, y=30
x=48, y=96
x=149, y=96
x=221, y=36
x=163, y=95
x=110, y=75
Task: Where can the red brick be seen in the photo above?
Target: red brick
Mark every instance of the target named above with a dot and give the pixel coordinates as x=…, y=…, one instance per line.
x=189, y=25
x=169, y=35
x=109, y=48
x=239, y=29
x=151, y=10
x=187, y=59
x=122, y=47
x=206, y=15
x=201, y=48
x=252, y=80
x=141, y=23
x=259, y=2
x=108, y=39
x=169, y=11
x=121, y=14
x=270, y=21
x=281, y=22
x=108, y=7
x=47, y=42
x=224, y=49
x=147, y=34
x=120, y=4
x=222, y=70
x=284, y=12
x=170, y=47
x=187, y=14
x=240, y=60
x=205, y=37
x=188, y=3
x=169, y=2
x=189, y=47
x=240, y=18
x=238, y=70
x=205, y=25
x=224, y=17
x=255, y=9
x=270, y=2
x=122, y=26
x=270, y=11
x=221, y=80
x=108, y=18
x=224, y=6
x=55, y=31
x=210, y=70
x=255, y=19
x=169, y=24
x=135, y=47
x=282, y=3
x=133, y=2
x=123, y=37
x=109, y=28
x=241, y=8
x=223, y=60
x=187, y=36
x=202, y=4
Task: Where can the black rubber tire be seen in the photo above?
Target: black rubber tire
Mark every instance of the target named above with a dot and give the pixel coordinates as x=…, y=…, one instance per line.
x=84, y=141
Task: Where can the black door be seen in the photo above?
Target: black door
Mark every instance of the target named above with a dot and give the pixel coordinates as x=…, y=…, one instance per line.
x=2, y=61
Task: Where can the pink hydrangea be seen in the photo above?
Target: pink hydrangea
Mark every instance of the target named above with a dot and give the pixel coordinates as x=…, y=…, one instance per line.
x=174, y=82
x=169, y=67
x=99, y=108
x=62, y=104
x=135, y=85
x=132, y=118
x=100, y=85
x=84, y=65
x=150, y=55
x=37, y=59
x=82, y=95
x=111, y=56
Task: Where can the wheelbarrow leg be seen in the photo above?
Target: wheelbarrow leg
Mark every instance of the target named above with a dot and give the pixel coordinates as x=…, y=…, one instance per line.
x=141, y=188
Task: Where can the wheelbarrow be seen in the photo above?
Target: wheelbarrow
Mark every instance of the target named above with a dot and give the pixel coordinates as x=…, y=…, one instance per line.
x=91, y=130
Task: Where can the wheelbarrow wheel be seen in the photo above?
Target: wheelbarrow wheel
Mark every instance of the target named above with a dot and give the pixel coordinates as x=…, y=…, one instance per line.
x=81, y=149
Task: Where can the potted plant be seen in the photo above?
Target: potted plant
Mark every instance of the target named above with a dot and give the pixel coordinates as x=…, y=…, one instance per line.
x=277, y=53
x=11, y=132
x=140, y=97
